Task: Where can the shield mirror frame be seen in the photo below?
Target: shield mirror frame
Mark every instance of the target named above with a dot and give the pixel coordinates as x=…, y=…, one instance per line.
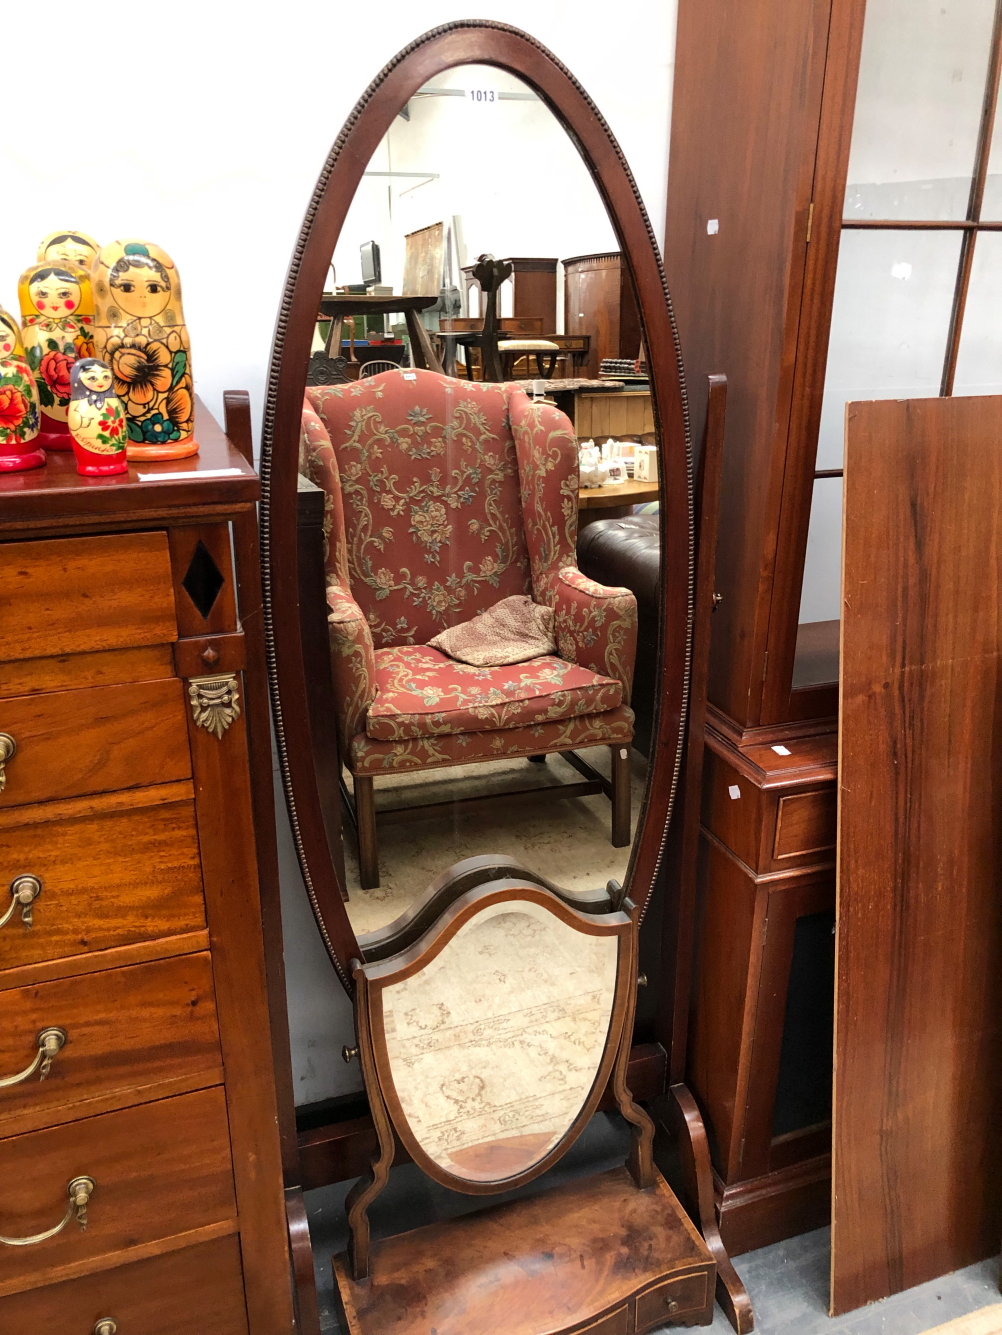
x=478, y=42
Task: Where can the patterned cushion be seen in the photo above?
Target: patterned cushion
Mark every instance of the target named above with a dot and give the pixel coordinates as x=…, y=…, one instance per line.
x=430, y=487
x=463, y=748
x=512, y=631
x=421, y=693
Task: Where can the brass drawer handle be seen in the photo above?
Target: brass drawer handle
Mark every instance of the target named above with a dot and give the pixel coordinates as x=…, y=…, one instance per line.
x=24, y=890
x=106, y=1326
x=7, y=748
x=79, y=1192
x=49, y=1041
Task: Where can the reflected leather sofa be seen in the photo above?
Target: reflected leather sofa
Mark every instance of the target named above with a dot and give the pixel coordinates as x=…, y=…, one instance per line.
x=627, y=552
x=442, y=498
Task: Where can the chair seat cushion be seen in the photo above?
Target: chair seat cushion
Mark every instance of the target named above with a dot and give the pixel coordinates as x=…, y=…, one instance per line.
x=366, y=756
x=422, y=693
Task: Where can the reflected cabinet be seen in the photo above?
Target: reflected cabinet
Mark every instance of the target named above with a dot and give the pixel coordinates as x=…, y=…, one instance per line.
x=835, y=183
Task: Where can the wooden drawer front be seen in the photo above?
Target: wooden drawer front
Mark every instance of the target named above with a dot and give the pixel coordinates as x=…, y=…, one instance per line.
x=132, y=1034
x=93, y=741
x=673, y=1301
x=735, y=810
x=805, y=824
x=109, y=877
x=74, y=595
x=160, y=1170
x=196, y=1291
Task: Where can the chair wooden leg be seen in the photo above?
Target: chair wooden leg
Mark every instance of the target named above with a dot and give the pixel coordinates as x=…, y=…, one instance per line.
x=368, y=846
x=620, y=795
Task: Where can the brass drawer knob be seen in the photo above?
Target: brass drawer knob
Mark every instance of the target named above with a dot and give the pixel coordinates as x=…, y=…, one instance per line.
x=50, y=1042
x=24, y=890
x=670, y=1304
x=106, y=1326
x=7, y=749
x=79, y=1191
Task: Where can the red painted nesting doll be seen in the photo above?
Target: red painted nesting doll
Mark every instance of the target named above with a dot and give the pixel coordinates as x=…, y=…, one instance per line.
x=18, y=403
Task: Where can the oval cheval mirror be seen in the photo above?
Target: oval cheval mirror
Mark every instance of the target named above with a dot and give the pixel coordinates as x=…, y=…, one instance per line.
x=477, y=544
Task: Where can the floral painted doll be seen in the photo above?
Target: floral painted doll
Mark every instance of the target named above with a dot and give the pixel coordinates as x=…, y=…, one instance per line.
x=18, y=403
x=70, y=249
x=57, y=314
x=97, y=420
x=140, y=333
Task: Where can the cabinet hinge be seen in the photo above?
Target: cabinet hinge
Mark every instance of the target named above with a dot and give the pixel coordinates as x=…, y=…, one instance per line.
x=810, y=221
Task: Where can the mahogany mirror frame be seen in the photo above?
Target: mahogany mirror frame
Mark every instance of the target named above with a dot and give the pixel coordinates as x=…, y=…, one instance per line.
x=470, y=42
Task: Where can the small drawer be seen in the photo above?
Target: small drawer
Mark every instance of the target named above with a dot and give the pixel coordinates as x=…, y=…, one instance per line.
x=121, y=1036
x=159, y=1170
x=616, y=1323
x=124, y=873
x=675, y=1300
x=805, y=823
x=196, y=1291
x=77, y=595
x=95, y=740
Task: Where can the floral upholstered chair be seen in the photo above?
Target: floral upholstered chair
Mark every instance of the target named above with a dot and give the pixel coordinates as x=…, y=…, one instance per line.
x=442, y=498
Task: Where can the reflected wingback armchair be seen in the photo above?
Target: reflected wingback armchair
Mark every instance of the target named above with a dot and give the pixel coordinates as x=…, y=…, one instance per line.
x=442, y=498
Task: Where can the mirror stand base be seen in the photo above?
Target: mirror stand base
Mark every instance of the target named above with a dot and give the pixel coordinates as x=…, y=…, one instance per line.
x=595, y=1255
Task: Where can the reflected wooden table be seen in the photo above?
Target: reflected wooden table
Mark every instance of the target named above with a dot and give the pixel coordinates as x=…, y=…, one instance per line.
x=614, y=501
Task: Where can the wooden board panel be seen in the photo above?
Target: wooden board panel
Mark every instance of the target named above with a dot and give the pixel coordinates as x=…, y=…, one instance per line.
x=918, y=1054
x=132, y=1035
x=159, y=1170
x=190, y=1292
x=75, y=595
x=74, y=742
x=108, y=879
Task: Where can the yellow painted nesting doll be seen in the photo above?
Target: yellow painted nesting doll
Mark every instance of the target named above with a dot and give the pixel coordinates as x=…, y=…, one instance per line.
x=18, y=403
x=68, y=247
x=139, y=331
x=97, y=420
x=57, y=319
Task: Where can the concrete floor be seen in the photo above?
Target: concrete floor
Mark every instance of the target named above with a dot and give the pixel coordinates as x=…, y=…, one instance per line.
x=788, y=1282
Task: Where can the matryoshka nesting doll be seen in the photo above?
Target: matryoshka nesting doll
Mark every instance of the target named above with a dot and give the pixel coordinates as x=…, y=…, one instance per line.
x=97, y=420
x=69, y=247
x=139, y=330
x=18, y=403
x=57, y=314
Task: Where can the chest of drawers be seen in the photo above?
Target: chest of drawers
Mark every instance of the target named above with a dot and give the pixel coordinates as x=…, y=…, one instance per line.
x=141, y=1180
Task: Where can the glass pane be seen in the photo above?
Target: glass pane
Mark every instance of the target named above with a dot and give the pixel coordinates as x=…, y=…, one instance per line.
x=432, y=541
x=921, y=86
x=979, y=366
x=890, y=320
x=991, y=205
x=821, y=593
x=495, y=1043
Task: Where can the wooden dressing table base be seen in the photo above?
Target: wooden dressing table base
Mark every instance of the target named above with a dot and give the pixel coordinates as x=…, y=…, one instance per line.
x=596, y=1256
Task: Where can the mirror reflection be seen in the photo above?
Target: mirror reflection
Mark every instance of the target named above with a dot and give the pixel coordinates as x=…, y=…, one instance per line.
x=479, y=420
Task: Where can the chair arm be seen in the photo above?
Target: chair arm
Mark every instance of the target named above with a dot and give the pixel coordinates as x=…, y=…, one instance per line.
x=353, y=662
x=595, y=625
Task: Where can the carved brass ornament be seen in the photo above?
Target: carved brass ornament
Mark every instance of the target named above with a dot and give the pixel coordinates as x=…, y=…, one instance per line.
x=79, y=1192
x=214, y=702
